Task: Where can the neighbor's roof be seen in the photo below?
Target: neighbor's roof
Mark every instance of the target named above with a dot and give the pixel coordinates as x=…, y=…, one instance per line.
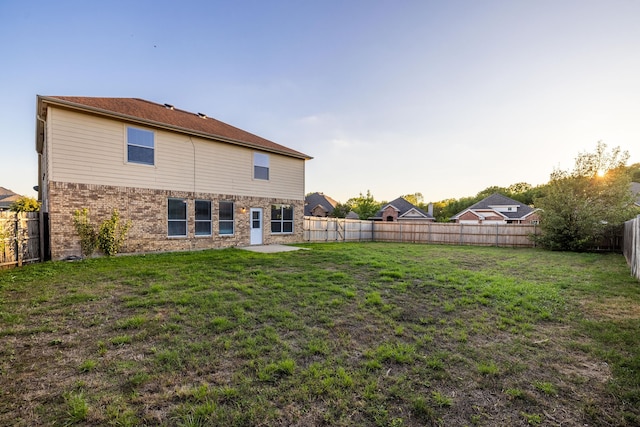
x=496, y=200
x=7, y=197
x=167, y=116
x=314, y=199
x=402, y=206
x=635, y=190
x=4, y=192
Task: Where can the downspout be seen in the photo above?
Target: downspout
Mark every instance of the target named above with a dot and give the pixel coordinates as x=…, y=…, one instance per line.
x=43, y=223
x=193, y=145
x=40, y=155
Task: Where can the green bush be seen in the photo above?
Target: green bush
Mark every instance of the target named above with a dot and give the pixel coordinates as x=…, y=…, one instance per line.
x=88, y=235
x=108, y=238
x=112, y=234
x=25, y=204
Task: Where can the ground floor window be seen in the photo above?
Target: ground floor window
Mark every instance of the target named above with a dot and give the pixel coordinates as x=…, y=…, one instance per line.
x=177, y=218
x=281, y=219
x=203, y=218
x=225, y=215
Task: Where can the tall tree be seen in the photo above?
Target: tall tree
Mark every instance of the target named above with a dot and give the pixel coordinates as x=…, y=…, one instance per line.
x=444, y=210
x=415, y=199
x=341, y=210
x=364, y=206
x=578, y=206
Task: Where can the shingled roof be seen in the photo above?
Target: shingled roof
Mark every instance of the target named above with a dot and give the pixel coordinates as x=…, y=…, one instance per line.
x=635, y=190
x=7, y=198
x=403, y=207
x=167, y=116
x=498, y=199
x=312, y=201
x=498, y=205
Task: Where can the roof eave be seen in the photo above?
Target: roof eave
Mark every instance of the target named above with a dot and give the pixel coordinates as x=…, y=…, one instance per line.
x=134, y=119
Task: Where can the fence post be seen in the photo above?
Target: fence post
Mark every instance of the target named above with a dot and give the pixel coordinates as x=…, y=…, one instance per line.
x=17, y=239
x=326, y=231
x=635, y=249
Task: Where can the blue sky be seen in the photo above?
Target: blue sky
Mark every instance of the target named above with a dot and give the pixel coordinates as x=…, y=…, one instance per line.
x=445, y=98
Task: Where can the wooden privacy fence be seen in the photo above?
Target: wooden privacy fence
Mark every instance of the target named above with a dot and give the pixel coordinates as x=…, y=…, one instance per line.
x=317, y=229
x=631, y=245
x=350, y=230
x=19, y=238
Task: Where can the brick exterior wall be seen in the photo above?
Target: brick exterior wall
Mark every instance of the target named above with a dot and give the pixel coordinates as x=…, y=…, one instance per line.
x=534, y=218
x=147, y=210
x=468, y=216
x=390, y=214
x=318, y=211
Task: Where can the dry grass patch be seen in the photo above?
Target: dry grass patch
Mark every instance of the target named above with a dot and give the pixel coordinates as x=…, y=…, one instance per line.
x=341, y=335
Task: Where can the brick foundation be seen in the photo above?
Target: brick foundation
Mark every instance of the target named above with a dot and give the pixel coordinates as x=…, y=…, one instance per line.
x=147, y=210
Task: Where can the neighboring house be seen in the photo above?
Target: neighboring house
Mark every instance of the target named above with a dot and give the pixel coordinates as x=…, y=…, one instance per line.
x=186, y=181
x=497, y=209
x=352, y=215
x=318, y=204
x=402, y=210
x=635, y=190
x=7, y=198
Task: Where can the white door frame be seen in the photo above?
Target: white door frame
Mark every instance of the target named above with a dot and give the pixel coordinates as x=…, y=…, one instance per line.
x=255, y=226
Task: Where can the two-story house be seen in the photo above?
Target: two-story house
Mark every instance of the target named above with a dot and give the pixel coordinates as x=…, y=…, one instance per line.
x=185, y=181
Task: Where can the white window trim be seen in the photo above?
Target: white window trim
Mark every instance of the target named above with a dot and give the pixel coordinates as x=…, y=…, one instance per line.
x=282, y=221
x=196, y=221
x=126, y=147
x=232, y=220
x=186, y=220
x=261, y=160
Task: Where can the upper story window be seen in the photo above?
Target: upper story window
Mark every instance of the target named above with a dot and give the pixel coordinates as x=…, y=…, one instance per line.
x=140, y=146
x=260, y=166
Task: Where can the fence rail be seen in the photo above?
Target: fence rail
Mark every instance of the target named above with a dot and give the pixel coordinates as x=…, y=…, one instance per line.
x=631, y=245
x=19, y=238
x=348, y=230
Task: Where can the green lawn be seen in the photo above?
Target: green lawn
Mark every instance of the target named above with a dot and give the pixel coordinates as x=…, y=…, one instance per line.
x=338, y=335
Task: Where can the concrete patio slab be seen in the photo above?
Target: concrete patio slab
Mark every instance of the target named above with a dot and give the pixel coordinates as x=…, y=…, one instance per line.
x=270, y=249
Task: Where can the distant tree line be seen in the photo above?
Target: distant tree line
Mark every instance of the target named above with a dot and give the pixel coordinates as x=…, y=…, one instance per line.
x=577, y=206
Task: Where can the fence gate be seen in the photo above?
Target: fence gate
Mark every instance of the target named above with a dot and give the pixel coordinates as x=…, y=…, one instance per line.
x=19, y=238
x=631, y=244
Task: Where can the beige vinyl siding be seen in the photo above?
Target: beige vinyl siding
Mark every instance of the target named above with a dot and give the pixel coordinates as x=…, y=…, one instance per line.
x=92, y=150
x=223, y=168
x=288, y=173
